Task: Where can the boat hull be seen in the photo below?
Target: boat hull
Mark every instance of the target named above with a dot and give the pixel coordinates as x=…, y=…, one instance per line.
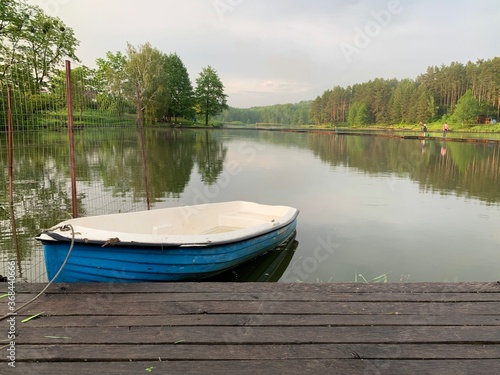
x=94, y=263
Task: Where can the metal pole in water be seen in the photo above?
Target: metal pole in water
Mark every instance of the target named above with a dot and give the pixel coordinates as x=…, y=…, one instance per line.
x=10, y=131
x=143, y=143
x=10, y=141
x=69, y=102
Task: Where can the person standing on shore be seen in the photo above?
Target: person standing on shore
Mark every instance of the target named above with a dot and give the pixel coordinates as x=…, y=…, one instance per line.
x=445, y=129
x=423, y=127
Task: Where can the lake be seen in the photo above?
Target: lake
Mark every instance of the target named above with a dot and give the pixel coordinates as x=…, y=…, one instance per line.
x=372, y=209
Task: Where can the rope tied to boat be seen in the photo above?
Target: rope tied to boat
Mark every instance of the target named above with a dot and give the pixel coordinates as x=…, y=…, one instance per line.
x=66, y=227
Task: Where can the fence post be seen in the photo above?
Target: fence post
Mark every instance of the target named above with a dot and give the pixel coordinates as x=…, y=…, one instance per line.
x=143, y=143
x=10, y=136
x=69, y=103
x=10, y=161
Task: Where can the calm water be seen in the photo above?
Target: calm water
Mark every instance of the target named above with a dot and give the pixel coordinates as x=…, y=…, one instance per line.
x=372, y=209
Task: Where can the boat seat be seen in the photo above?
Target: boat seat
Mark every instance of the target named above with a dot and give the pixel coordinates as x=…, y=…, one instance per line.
x=163, y=229
x=244, y=219
x=220, y=229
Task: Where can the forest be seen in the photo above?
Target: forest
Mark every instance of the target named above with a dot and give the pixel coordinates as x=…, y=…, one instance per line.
x=280, y=114
x=457, y=93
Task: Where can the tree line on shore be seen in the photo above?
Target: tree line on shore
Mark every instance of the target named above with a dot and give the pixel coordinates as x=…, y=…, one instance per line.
x=457, y=93
x=33, y=46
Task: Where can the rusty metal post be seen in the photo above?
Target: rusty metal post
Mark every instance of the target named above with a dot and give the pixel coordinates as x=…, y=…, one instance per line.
x=143, y=144
x=69, y=103
x=10, y=146
x=10, y=161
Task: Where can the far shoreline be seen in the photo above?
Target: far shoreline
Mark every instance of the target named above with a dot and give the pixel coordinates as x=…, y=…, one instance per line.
x=459, y=135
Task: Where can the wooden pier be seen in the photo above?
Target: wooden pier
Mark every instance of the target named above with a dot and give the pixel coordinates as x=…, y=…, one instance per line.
x=255, y=328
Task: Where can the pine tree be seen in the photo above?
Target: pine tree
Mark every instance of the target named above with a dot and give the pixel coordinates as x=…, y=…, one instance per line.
x=179, y=88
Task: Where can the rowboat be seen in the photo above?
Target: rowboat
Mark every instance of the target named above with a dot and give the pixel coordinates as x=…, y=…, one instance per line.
x=169, y=244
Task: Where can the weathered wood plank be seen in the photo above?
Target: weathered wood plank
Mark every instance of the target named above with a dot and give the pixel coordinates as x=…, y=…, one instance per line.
x=277, y=296
x=262, y=320
x=91, y=307
x=105, y=353
x=266, y=328
x=257, y=335
x=470, y=287
x=289, y=367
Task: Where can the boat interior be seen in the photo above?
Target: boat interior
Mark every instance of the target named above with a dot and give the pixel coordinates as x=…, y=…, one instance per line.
x=187, y=220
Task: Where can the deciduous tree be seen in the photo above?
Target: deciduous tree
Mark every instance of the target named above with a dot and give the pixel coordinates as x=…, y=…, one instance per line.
x=110, y=82
x=146, y=67
x=467, y=109
x=209, y=94
x=32, y=45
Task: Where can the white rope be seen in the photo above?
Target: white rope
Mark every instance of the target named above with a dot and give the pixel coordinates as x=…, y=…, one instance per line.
x=51, y=281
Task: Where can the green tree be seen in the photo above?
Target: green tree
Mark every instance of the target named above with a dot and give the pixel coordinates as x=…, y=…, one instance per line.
x=209, y=94
x=179, y=88
x=146, y=68
x=401, y=104
x=425, y=108
x=32, y=45
x=467, y=109
x=359, y=114
x=48, y=42
x=12, y=20
x=110, y=82
x=381, y=91
x=83, y=89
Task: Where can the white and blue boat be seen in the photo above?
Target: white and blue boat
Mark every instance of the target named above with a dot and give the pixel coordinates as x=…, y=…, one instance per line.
x=170, y=244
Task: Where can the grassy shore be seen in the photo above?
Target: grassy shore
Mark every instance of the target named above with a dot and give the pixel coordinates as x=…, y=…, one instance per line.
x=438, y=126
x=432, y=127
x=95, y=118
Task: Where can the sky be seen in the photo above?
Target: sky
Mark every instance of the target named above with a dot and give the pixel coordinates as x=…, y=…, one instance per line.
x=270, y=52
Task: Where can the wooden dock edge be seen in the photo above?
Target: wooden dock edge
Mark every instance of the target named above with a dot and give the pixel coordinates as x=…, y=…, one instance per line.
x=244, y=328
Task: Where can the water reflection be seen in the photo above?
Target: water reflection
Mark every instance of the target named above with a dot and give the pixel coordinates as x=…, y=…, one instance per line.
x=466, y=169
x=283, y=167
x=268, y=267
x=15, y=240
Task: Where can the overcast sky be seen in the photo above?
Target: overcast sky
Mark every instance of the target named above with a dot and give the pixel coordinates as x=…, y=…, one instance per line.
x=283, y=51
